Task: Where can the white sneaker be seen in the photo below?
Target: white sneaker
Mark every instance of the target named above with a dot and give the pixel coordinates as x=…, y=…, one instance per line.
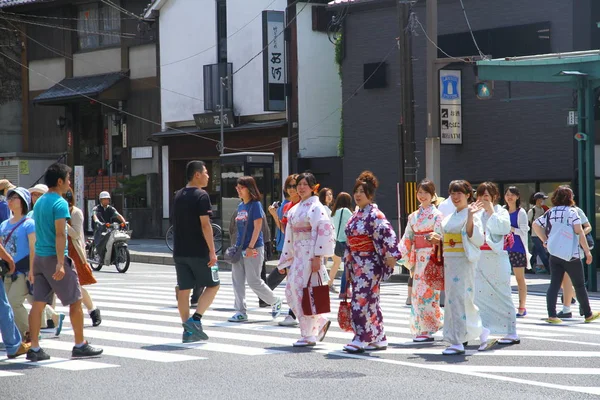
x=288, y=321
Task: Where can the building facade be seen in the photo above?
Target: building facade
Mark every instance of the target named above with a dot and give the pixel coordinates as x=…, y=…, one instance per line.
x=520, y=136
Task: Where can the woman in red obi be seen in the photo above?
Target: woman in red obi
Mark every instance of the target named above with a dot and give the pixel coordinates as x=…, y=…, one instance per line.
x=370, y=257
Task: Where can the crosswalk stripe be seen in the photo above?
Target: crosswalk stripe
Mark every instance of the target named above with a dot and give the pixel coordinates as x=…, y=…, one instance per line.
x=124, y=352
x=61, y=363
x=8, y=373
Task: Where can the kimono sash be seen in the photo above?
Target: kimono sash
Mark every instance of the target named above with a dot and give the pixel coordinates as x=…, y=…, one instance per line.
x=453, y=243
x=361, y=243
x=421, y=240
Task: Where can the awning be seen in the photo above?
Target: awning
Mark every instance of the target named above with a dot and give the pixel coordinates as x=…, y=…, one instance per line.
x=250, y=126
x=112, y=86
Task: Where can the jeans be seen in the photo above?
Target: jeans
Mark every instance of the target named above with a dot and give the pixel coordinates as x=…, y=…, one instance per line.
x=539, y=250
x=10, y=333
x=574, y=268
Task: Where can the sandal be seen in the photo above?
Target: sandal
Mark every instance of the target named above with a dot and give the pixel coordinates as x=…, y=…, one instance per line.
x=323, y=331
x=507, y=341
x=377, y=346
x=452, y=351
x=423, y=339
x=487, y=345
x=304, y=343
x=521, y=314
x=353, y=348
x=553, y=320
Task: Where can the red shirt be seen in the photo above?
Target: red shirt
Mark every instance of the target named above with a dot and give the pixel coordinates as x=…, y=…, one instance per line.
x=286, y=208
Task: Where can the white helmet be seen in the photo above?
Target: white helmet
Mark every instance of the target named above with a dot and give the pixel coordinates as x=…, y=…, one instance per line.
x=104, y=195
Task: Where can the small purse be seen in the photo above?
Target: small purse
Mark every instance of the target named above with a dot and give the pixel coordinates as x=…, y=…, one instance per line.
x=434, y=270
x=315, y=299
x=233, y=254
x=345, y=316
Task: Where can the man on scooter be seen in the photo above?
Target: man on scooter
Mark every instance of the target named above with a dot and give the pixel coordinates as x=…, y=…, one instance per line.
x=103, y=214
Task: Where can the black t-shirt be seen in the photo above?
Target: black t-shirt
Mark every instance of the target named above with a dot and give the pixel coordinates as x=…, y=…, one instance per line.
x=107, y=214
x=189, y=205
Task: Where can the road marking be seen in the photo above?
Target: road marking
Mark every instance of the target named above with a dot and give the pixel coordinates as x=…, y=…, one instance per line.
x=124, y=352
x=61, y=363
x=8, y=373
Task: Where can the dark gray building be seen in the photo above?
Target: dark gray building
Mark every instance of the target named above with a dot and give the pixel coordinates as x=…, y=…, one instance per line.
x=519, y=136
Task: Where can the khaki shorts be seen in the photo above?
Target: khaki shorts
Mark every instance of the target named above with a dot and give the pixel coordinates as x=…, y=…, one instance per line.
x=67, y=289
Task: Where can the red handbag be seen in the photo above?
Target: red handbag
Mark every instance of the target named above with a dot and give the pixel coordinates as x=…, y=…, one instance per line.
x=434, y=270
x=345, y=316
x=315, y=299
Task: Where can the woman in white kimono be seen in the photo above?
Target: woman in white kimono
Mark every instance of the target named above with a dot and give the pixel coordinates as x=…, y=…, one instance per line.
x=309, y=236
x=462, y=239
x=492, y=277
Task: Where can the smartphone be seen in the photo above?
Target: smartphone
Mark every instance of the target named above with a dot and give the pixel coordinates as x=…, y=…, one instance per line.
x=276, y=204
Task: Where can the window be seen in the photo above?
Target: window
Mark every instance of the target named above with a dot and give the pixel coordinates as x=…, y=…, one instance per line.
x=374, y=75
x=222, y=31
x=510, y=41
x=93, y=19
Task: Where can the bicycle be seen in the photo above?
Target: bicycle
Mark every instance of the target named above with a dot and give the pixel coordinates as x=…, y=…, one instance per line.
x=217, y=237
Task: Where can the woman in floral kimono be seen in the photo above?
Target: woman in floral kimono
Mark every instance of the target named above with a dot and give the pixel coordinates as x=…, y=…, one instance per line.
x=462, y=239
x=309, y=237
x=370, y=257
x=426, y=316
x=492, y=276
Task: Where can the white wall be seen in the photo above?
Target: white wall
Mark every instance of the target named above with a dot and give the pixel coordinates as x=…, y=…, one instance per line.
x=97, y=62
x=53, y=68
x=319, y=90
x=248, y=83
x=142, y=61
x=187, y=27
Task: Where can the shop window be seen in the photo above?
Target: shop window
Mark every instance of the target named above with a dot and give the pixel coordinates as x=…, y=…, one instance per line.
x=94, y=18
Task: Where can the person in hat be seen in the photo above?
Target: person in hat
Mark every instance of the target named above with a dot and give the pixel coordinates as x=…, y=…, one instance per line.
x=5, y=186
x=36, y=192
x=538, y=209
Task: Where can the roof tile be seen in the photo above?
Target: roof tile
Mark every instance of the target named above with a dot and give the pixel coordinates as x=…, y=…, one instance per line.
x=13, y=3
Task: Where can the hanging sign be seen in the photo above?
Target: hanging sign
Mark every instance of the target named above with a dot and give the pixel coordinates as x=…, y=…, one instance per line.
x=274, y=61
x=450, y=106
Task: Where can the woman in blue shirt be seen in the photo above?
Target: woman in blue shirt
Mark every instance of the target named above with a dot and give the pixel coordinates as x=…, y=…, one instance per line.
x=249, y=221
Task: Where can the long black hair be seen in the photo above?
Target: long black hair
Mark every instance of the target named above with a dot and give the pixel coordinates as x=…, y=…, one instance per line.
x=514, y=190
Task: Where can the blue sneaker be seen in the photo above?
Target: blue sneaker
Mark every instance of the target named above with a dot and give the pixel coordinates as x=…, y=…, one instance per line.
x=61, y=318
x=276, y=308
x=189, y=337
x=195, y=327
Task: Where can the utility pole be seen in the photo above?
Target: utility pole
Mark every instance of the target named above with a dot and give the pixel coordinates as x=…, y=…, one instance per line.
x=432, y=142
x=406, y=131
x=223, y=81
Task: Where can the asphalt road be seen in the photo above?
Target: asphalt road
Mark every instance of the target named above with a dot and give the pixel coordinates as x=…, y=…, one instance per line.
x=144, y=357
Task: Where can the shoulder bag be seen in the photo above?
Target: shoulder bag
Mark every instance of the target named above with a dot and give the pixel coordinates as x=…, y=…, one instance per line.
x=4, y=268
x=563, y=241
x=233, y=254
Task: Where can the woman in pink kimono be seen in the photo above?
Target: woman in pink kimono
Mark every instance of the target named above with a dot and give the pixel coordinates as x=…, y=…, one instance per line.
x=426, y=316
x=309, y=237
x=370, y=258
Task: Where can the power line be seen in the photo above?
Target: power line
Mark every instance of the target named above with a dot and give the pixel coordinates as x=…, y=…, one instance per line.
x=228, y=37
x=274, y=38
x=471, y=31
x=20, y=15
x=58, y=52
x=415, y=20
x=120, y=9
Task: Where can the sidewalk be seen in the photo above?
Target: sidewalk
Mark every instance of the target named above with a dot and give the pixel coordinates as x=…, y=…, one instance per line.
x=155, y=251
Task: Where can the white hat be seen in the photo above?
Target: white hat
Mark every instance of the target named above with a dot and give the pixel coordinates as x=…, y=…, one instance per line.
x=104, y=195
x=39, y=188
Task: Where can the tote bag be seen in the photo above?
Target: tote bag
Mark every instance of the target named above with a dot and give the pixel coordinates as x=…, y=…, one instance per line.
x=562, y=240
x=315, y=299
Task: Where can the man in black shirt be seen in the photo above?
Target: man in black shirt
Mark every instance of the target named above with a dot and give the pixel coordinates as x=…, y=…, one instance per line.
x=194, y=249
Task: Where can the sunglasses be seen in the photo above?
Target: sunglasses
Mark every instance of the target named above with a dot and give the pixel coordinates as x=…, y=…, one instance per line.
x=292, y=187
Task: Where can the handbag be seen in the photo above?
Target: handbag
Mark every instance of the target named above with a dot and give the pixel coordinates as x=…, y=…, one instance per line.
x=345, y=316
x=84, y=271
x=233, y=254
x=509, y=241
x=340, y=247
x=315, y=299
x=434, y=270
x=4, y=268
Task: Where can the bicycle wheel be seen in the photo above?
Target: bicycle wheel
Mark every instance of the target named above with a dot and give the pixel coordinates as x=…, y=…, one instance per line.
x=169, y=238
x=217, y=237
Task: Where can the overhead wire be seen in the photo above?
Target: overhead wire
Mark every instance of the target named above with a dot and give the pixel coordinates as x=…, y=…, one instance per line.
x=413, y=19
x=121, y=9
x=471, y=31
x=20, y=15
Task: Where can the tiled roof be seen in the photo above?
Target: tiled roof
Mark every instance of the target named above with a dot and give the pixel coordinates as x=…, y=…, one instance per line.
x=72, y=88
x=13, y=3
x=348, y=2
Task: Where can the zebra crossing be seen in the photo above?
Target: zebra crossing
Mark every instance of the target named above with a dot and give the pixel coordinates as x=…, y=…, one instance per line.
x=141, y=322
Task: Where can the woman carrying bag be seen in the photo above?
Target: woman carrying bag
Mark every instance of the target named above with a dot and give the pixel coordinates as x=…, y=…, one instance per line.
x=340, y=215
x=561, y=232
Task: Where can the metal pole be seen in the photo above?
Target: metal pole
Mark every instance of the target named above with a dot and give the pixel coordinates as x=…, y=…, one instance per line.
x=432, y=148
x=222, y=89
x=590, y=202
x=580, y=144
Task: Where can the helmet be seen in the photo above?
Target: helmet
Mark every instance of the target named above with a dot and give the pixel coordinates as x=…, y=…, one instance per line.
x=104, y=195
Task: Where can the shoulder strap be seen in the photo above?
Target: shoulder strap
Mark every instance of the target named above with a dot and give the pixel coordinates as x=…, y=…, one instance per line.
x=7, y=238
x=245, y=228
x=339, y=224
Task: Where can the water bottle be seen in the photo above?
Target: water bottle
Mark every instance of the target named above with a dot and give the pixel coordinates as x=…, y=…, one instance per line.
x=214, y=270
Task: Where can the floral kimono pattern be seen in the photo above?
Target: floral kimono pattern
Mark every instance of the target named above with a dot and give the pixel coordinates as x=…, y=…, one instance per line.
x=492, y=278
x=426, y=317
x=371, y=239
x=461, y=253
x=308, y=233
